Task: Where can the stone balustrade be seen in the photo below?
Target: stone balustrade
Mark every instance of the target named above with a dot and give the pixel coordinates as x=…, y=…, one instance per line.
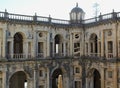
x=9, y=16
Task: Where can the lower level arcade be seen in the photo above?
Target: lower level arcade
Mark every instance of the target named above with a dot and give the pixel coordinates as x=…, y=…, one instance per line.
x=45, y=73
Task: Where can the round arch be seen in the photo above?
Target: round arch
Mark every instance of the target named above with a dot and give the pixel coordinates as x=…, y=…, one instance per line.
x=93, y=43
x=55, y=75
x=58, y=38
x=94, y=78
x=20, y=32
x=18, y=80
x=18, y=43
x=58, y=44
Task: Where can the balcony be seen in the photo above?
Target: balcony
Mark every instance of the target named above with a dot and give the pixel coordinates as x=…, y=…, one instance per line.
x=40, y=55
x=95, y=54
x=19, y=56
x=110, y=55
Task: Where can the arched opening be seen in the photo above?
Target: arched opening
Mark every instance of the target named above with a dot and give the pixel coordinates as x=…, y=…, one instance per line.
x=18, y=43
x=58, y=45
x=94, y=44
x=94, y=79
x=97, y=81
x=18, y=80
x=55, y=75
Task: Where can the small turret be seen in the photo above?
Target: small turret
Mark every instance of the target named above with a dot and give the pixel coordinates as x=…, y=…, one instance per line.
x=76, y=14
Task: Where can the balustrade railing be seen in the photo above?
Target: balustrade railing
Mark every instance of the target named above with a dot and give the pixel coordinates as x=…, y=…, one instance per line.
x=95, y=54
x=19, y=56
x=40, y=55
x=58, y=54
x=44, y=19
x=107, y=16
x=20, y=17
x=110, y=55
x=91, y=20
x=118, y=14
x=60, y=21
x=2, y=15
x=11, y=16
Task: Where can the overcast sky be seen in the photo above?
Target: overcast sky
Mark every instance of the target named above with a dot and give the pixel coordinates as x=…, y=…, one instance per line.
x=58, y=8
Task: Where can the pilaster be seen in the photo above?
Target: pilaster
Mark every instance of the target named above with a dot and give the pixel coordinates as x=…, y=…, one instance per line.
x=34, y=50
x=102, y=43
x=64, y=45
x=11, y=48
x=0, y=48
x=102, y=78
x=53, y=48
x=4, y=44
x=48, y=45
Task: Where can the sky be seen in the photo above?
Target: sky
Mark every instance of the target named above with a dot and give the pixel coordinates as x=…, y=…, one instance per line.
x=59, y=9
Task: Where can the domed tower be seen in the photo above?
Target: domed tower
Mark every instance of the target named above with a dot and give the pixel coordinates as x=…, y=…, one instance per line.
x=76, y=14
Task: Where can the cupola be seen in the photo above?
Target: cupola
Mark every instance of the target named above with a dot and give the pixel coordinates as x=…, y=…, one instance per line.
x=76, y=14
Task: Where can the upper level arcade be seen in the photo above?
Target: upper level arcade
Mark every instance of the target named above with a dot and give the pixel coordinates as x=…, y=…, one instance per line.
x=35, y=37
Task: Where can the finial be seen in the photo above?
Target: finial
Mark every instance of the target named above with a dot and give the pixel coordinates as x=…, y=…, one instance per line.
x=49, y=16
x=5, y=10
x=35, y=14
x=113, y=10
x=77, y=4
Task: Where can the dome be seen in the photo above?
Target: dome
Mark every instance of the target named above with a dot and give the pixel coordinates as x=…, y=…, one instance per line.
x=76, y=9
x=76, y=15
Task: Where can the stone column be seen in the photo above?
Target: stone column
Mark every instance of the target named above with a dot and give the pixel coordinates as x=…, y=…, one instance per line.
x=115, y=76
x=53, y=48
x=114, y=46
x=5, y=81
x=48, y=45
x=98, y=48
x=64, y=51
x=71, y=44
x=30, y=83
x=44, y=48
x=87, y=82
x=11, y=48
x=106, y=48
x=26, y=50
x=35, y=78
x=91, y=82
x=34, y=49
x=93, y=47
x=89, y=49
x=4, y=44
x=48, y=78
x=102, y=78
x=0, y=49
x=102, y=43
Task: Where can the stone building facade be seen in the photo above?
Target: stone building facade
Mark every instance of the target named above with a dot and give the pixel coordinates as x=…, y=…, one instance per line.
x=35, y=50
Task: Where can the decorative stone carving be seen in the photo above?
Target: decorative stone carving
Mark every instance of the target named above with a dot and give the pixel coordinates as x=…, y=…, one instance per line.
x=29, y=71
